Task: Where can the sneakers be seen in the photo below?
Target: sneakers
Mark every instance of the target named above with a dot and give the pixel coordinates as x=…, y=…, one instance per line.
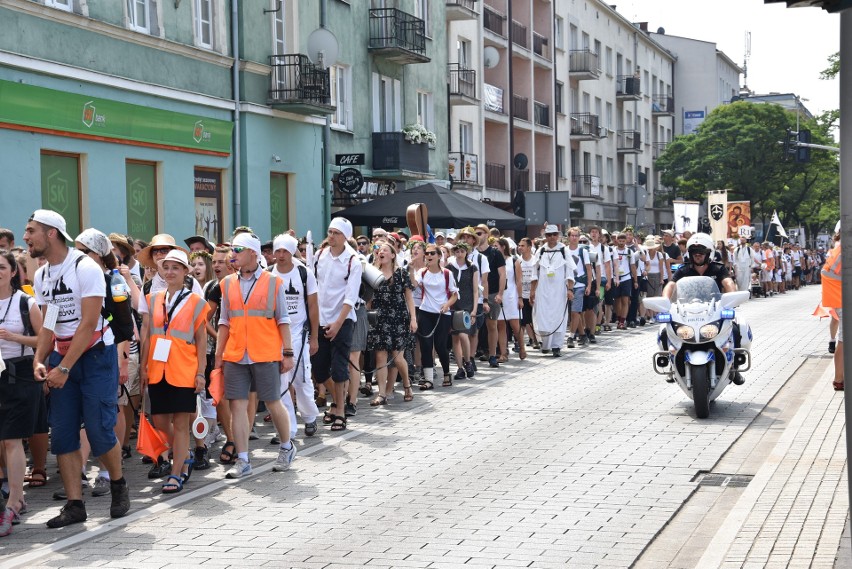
x=253, y=435
x=160, y=470
x=101, y=487
x=285, y=458
x=71, y=513
x=492, y=361
x=202, y=458
x=350, y=410
x=241, y=468
x=473, y=367
x=60, y=494
x=468, y=368
x=570, y=343
x=556, y=353
x=212, y=437
x=120, y=504
x=460, y=374
x=832, y=346
x=583, y=340
x=311, y=428
x=6, y=521
x=592, y=339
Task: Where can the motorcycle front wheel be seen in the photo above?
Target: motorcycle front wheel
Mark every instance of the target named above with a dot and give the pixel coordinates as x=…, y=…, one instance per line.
x=700, y=390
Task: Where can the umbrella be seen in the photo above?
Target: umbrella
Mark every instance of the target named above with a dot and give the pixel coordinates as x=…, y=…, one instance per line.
x=446, y=209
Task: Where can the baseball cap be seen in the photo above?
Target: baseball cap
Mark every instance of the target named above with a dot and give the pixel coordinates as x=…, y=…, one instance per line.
x=52, y=219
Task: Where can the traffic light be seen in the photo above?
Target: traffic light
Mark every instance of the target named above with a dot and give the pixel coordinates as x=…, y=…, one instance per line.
x=791, y=142
x=803, y=153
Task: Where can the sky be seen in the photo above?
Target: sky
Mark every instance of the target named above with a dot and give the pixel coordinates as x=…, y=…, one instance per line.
x=789, y=46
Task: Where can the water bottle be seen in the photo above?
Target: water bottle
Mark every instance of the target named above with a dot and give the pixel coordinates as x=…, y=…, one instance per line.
x=118, y=287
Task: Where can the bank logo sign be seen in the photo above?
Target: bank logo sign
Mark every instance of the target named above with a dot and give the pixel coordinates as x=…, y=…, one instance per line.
x=91, y=116
x=200, y=134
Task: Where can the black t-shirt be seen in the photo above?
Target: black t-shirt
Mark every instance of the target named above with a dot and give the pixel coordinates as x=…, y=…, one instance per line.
x=716, y=271
x=495, y=261
x=673, y=251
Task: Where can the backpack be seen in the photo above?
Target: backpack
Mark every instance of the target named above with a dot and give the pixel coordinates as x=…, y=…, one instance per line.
x=118, y=314
x=25, y=314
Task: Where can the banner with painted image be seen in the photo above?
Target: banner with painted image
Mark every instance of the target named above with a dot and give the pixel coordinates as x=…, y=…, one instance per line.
x=739, y=215
x=717, y=209
x=685, y=216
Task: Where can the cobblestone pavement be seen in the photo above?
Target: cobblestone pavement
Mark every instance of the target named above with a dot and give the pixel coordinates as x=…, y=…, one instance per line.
x=572, y=462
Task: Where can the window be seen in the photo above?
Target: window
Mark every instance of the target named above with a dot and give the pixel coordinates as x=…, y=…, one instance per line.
x=610, y=172
x=465, y=137
x=559, y=33
x=608, y=61
x=60, y=4
x=279, y=45
x=608, y=116
x=463, y=49
x=560, y=87
x=425, y=114
x=141, y=178
x=279, y=202
x=573, y=36
x=387, y=108
x=203, y=15
x=138, y=15
x=598, y=48
x=60, y=187
x=341, y=96
x=421, y=10
x=560, y=162
x=599, y=171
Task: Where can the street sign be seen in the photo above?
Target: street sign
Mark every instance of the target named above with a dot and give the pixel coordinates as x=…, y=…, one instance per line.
x=350, y=180
x=349, y=159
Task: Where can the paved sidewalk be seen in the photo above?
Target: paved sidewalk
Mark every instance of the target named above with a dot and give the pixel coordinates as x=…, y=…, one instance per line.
x=573, y=462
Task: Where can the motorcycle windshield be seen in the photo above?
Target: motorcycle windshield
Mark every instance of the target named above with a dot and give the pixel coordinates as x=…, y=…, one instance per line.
x=697, y=289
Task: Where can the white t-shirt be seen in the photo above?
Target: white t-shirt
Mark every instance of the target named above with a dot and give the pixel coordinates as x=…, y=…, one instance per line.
x=602, y=257
x=581, y=259
x=65, y=285
x=435, y=289
x=10, y=320
x=481, y=262
x=622, y=258
x=654, y=259
x=296, y=307
x=529, y=273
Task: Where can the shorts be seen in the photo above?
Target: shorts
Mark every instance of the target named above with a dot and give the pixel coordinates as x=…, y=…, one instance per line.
x=609, y=297
x=264, y=378
x=166, y=398
x=766, y=276
x=87, y=398
x=494, y=307
x=624, y=289
x=526, y=313
x=360, y=330
x=332, y=357
x=590, y=301
x=132, y=385
x=577, y=303
x=797, y=272
x=23, y=411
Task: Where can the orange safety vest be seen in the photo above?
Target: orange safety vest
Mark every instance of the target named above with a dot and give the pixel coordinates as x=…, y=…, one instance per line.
x=252, y=323
x=182, y=364
x=831, y=291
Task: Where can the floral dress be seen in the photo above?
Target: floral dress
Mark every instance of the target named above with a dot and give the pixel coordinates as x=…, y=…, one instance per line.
x=392, y=332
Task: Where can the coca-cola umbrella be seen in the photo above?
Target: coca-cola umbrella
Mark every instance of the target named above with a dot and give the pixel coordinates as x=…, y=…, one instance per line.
x=446, y=209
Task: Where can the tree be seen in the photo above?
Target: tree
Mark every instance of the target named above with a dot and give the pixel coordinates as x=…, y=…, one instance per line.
x=738, y=148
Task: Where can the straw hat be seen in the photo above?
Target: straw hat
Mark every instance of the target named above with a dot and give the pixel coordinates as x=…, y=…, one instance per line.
x=159, y=240
x=651, y=242
x=123, y=244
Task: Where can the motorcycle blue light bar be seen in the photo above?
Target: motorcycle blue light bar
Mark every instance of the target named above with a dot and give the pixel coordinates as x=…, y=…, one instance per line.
x=728, y=314
x=664, y=317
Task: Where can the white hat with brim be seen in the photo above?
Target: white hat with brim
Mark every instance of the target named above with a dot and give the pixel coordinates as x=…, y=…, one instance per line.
x=551, y=229
x=52, y=219
x=176, y=255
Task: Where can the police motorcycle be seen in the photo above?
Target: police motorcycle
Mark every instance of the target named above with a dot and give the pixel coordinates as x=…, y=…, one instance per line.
x=696, y=339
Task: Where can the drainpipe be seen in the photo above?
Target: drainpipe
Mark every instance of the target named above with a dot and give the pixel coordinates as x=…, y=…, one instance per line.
x=235, y=80
x=511, y=108
x=326, y=150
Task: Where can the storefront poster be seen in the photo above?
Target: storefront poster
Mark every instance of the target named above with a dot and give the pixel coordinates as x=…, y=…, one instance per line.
x=208, y=204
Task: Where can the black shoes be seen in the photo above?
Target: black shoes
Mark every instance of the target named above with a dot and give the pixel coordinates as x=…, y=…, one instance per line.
x=556, y=353
x=832, y=346
x=469, y=368
x=120, y=499
x=350, y=410
x=202, y=458
x=160, y=470
x=74, y=512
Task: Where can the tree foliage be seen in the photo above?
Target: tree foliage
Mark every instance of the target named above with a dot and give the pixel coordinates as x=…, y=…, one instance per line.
x=738, y=147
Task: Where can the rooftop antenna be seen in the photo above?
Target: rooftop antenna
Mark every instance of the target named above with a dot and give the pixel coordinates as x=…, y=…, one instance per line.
x=746, y=57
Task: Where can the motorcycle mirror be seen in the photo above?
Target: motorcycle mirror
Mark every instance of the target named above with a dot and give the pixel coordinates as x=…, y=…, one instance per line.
x=657, y=303
x=734, y=299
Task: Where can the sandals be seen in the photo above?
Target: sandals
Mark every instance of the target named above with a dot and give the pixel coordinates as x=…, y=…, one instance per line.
x=379, y=400
x=426, y=385
x=409, y=395
x=125, y=452
x=228, y=454
x=338, y=423
x=366, y=390
x=838, y=386
x=37, y=482
x=328, y=416
x=190, y=465
x=448, y=381
x=173, y=487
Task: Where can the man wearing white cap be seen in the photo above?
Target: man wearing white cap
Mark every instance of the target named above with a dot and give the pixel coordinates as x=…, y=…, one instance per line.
x=253, y=348
x=300, y=286
x=554, y=292
x=83, y=362
x=338, y=275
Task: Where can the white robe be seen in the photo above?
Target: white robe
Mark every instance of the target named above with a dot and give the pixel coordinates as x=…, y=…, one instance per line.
x=550, y=311
x=743, y=263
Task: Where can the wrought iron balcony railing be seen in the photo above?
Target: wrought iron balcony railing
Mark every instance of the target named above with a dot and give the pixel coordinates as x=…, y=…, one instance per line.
x=298, y=83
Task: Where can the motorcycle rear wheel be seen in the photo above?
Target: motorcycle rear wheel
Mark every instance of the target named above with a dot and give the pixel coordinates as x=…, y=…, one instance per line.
x=700, y=391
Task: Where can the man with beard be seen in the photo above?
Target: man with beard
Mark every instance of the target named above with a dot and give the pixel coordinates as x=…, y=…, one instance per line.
x=554, y=292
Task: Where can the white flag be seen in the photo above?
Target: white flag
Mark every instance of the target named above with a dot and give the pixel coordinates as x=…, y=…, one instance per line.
x=776, y=221
x=717, y=206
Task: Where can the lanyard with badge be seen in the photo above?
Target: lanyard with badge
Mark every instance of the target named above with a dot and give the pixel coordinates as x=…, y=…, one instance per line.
x=164, y=345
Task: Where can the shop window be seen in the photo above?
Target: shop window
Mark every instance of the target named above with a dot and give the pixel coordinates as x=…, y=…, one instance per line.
x=141, y=178
x=60, y=187
x=279, y=202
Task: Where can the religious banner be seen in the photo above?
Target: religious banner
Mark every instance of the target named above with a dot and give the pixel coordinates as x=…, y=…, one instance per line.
x=685, y=216
x=739, y=215
x=717, y=209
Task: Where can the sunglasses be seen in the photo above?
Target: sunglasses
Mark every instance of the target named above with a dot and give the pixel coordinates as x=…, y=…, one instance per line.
x=160, y=250
x=549, y=234
x=479, y=233
x=584, y=242
x=430, y=253
x=238, y=249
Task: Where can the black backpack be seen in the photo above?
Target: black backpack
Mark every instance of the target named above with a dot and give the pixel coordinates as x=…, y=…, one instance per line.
x=118, y=314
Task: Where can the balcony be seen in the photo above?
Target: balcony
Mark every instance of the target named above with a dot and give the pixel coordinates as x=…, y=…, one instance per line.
x=464, y=168
x=629, y=142
x=662, y=105
x=520, y=108
x=299, y=86
x=493, y=21
x=541, y=114
x=540, y=46
x=391, y=152
x=397, y=36
x=495, y=176
x=461, y=10
x=542, y=181
x=657, y=149
x=583, y=64
x=584, y=126
x=462, y=85
x=520, y=35
x=522, y=181
x=586, y=186
x=628, y=88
